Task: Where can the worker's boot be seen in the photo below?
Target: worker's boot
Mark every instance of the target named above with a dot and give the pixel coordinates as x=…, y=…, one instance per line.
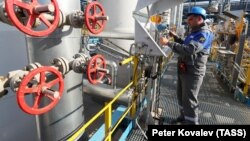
x=187, y=122
x=177, y=120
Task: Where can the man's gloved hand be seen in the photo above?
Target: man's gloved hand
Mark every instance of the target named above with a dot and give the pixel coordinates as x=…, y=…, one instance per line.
x=164, y=41
x=172, y=34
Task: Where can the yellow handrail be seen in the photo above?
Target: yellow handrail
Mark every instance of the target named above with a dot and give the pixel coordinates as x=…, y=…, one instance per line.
x=247, y=83
x=125, y=61
x=108, y=107
x=118, y=122
x=82, y=129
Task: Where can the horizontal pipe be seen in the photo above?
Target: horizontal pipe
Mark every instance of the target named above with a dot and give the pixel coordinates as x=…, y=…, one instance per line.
x=104, y=92
x=115, y=35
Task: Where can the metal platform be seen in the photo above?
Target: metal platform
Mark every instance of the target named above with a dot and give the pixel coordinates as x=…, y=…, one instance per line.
x=217, y=105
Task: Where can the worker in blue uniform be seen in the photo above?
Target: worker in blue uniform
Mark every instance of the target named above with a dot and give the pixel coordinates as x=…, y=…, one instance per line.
x=193, y=54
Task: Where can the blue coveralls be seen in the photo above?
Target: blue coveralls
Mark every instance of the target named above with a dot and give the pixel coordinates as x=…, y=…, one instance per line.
x=193, y=54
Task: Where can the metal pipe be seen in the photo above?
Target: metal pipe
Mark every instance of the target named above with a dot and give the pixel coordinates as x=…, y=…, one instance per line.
x=63, y=42
x=154, y=85
x=105, y=93
x=115, y=35
x=44, y=8
x=102, y=70
x=114, y=69
x=3, y=14
x=102, y=18
x=54, y=94
x=116, y=46
x=100, y=45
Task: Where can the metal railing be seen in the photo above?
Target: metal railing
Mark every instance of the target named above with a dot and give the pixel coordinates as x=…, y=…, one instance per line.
x=107, y=110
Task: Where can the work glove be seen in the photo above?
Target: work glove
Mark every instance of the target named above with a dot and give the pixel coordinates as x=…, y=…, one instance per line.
x=172, y=34
x=164, y=41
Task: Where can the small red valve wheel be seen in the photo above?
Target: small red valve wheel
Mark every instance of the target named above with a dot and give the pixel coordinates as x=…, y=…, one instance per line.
x=42, y=91
x=95, y=18
x=33, y=10
x=96, y=69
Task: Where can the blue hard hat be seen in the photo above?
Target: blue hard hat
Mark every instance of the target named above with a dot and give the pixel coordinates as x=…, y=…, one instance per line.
x=198, y=11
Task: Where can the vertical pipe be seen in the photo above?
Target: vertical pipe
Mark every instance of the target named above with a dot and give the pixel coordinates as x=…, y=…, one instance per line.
x=155, y=85
x=221, y=6
x=108, y=121
x=246, y=5
x=121, y=24
x=247, y=82
x=210, y=1
x=181, y=14
x=173, y=16
x=178, y=16
x=189, y=7
x=175, y=13
x=68, y=115
x=238, y=60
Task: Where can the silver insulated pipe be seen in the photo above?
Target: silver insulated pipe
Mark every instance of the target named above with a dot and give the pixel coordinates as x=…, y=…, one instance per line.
x=105, y=93
x=67, y=116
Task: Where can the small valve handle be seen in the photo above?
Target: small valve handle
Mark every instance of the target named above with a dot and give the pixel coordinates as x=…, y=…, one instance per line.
x=41, y=91
x=96, y=69
x=95, y=18
x=34, y=11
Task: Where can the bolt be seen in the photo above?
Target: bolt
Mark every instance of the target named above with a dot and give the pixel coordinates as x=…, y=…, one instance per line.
x=58, y=63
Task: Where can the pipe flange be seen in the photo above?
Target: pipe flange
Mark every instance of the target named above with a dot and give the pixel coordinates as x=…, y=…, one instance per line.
x=32, y=66
x=16, y=80
x=79, y=65
x=81, y=55
x=62, y=64
x=3, y=14
x=66, y=64
x=76, y=19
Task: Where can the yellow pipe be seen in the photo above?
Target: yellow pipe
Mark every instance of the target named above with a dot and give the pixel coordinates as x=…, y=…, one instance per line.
x=133, y=110
x=107, y=108
x=247, y=83
x=81, y=130
x=126, y=61
x=108, y=119
x=119, y=121
x=135, y=80
x=135, y=77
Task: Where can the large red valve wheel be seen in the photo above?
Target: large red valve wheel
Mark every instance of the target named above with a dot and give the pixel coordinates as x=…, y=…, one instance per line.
x=92, y=12
x=96, y=64
x=31, y=9
x=40, y=91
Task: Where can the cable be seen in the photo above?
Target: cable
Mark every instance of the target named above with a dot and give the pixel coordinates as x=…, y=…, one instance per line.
x=107, y=40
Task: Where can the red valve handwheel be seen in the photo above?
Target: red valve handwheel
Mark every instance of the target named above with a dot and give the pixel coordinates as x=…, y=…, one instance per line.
x=27, y=27
x=94, y=76
x=37, y=90
x=92, y=11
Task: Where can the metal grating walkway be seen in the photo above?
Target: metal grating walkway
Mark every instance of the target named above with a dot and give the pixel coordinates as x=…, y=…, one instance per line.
x=217, y=105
